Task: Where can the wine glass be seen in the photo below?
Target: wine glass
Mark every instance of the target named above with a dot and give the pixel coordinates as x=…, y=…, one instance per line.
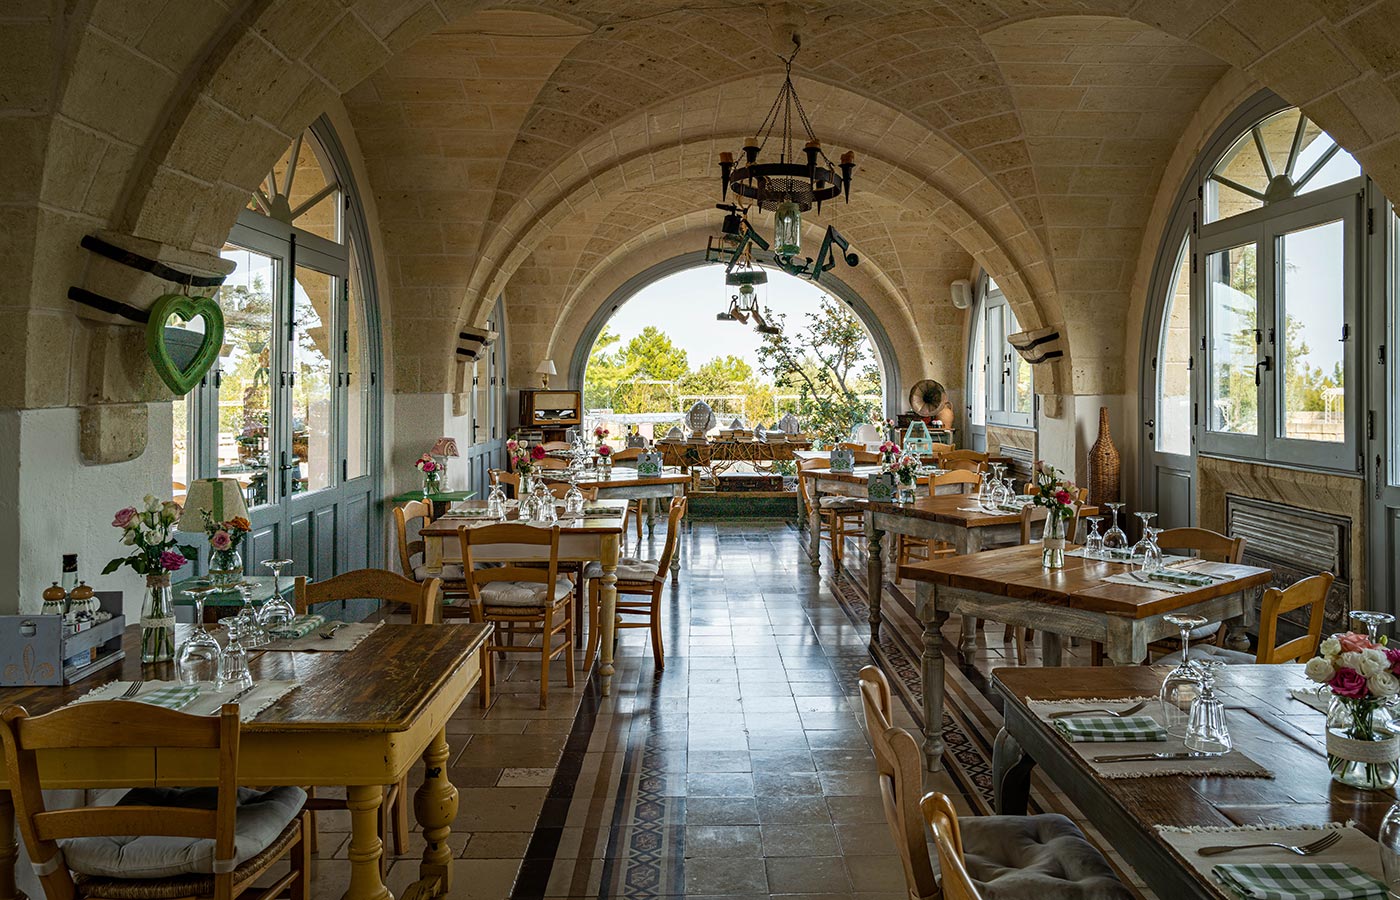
x=1206, y=731
x=544, y=512
x=496, y=502
x=199, y=655
x=1183, y=683
x=986, y=493
x=233, y=661
x=573, y=500
x=1142, y=547
x=1389, y=839
x=1373, y=620
x=1093, y=541
x=1152, y=553
x=277, y=612
x=1114, y=538
x=246, y=619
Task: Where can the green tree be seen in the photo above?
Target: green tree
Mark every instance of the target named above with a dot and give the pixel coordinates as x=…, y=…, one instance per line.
x=604, y=373
x=829, y=364
x=655, y=356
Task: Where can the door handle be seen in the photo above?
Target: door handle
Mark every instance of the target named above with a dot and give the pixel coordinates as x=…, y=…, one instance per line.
x=1378, y=476
x=1151, y=423
x=1267, y=364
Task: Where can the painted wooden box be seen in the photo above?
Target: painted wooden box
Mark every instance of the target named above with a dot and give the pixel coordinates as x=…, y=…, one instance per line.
x=34, y=650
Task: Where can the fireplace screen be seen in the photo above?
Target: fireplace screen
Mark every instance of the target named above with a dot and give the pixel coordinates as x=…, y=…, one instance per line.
x=1295, y=543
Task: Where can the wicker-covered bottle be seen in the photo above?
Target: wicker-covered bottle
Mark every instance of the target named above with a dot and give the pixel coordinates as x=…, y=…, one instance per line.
x=1105, y=465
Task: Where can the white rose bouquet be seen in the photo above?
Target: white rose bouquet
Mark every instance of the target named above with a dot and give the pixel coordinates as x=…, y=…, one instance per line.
x=1363, y=749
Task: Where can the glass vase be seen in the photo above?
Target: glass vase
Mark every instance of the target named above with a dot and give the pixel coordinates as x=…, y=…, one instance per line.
x=906, y=490
x=157, y=621
x=225, y=568
x=432, y=485
x=1052, y=542
x=1362, y=749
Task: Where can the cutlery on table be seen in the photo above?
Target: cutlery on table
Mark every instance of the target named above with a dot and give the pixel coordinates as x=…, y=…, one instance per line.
x=1118, y=714
x=1150, y=757
x=241, y=694
x=132, y=691
x=329, y=633
x=1315, y=847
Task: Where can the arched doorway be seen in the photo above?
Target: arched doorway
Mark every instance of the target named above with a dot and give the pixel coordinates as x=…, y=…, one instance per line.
x=891, y=390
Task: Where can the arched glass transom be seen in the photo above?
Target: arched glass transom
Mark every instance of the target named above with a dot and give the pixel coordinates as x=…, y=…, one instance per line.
x=1280, y=157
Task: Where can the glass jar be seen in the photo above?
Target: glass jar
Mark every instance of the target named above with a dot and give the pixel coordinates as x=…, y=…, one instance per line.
x=225, y=568
x=1362, y=750
x=1052, y=542
x=432, y=484
x=157, y=620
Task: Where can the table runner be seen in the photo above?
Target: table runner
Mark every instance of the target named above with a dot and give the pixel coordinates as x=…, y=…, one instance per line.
x=210, y=699
x=1318, y=700
x=1355, y=848
x=1129, y=578
x=1234, y=764
x=346, y=637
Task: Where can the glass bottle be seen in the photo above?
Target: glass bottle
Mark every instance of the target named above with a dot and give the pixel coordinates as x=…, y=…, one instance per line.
x=69, y=579
x=157, y=620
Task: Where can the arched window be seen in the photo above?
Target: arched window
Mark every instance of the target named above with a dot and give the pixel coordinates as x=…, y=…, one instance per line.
x=290, y=410
x=1280, y=157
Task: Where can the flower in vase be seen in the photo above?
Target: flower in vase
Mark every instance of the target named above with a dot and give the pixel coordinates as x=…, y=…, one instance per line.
x=1319, y=670
x=537, y=452
x=1330, y=647
x=1349, y=684
x=1063, y=497
x=124, y=517
x=171, y=561
x=1384, y=685
x=220, y=540
x=238, y=523
x=1351, y=642
x=604, y=450
x=1392, y=655
x=512, y=445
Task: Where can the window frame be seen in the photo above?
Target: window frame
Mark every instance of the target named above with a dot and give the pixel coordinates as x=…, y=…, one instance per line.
x=999, y=379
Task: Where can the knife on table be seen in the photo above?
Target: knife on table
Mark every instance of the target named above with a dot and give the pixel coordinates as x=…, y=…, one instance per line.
x=1150, y=757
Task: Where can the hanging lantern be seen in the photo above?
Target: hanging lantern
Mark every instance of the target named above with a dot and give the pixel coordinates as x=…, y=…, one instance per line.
x=787, y=229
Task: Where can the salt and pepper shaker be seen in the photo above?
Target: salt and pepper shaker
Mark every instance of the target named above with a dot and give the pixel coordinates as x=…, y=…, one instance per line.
x=55, y=601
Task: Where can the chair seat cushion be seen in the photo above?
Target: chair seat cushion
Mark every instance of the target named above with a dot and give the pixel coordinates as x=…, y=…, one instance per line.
x=450, y=572
x=523, y=594
x=262, y=817
x=835, y=502
x=1205, y=632
x=1045, y=857
x=629, y=568
x=1203, y=651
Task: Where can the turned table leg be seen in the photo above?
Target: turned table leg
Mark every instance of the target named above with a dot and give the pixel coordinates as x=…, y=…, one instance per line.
x=931, y=666
x=608, y=614
x=814, y=528
x=435, y=805
x=366, y=849
x=875, y=575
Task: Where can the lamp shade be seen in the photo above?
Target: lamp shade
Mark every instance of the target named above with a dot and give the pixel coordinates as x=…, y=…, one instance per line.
x=445, y=446
x=221, y=497
x=546, y=368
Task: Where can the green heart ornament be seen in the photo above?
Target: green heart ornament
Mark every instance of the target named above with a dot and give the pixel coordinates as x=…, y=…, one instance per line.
x=179, y=380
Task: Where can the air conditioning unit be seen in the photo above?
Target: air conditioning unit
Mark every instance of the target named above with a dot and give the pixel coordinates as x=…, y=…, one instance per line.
x=962, y=293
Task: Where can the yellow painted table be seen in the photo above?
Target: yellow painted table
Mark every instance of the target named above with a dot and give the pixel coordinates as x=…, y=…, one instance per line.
x=596, y=537
x=361, y=719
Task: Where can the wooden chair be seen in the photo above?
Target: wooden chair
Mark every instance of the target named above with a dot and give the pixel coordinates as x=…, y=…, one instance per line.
x=910, y=549
x=552, y=446
x=515, y=594
x=424, y=602
x=636, y=577
x=151, y=812
x=413, y=555
x=634, y=507
x=1311, y=592
x=838, y=517
x=942, y=820
x=550, y=462
x=1203, y=544
x=940, y=449
x=865, y=457
x=947, y=460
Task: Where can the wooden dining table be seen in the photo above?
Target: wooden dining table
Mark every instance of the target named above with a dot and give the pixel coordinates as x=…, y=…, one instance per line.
x=1283, y=734
x=1011, y=586
x=952, y=518
x=622, y=483
x=595, y=537
x=826, y=483
x=358, y=719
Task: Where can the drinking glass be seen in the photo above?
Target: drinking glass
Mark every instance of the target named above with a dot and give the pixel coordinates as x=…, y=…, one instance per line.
x=1114, y=538
x=496, y=502
x=1142, y=547
x=199, y=655
x=1373, y=620
x=1183, y=683
x=277, y=612
x=986, y=493
x=1093, y=541
x=1152, y=553
x=246, y=620
x=573, y=500
x=1206, y=731
x=1389, y=839
x=544, y=513
x=233, y=661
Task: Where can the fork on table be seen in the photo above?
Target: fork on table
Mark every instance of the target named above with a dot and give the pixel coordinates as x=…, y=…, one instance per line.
x=1117, y=714
x=132, y=691
x=1315, y=847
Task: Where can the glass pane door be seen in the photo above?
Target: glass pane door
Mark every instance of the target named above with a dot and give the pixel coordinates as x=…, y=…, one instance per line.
x=1309, y=339
x=245, y=440
x=1173, y=420
x=1232, y=317
x=314, y=296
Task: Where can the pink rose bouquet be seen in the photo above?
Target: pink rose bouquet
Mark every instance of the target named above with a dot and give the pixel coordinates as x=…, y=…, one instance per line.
x=426, y=464
x=1361, y=675
x=604, y=451
x=150, y=530
x=1356, y=669
x=1053, y=491
x=521, y=456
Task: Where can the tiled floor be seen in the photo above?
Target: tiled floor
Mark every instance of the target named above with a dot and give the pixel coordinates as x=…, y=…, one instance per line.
x=740, y=771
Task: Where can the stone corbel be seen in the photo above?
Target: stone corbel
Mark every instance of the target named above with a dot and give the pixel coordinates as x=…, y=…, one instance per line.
x=1045, y=349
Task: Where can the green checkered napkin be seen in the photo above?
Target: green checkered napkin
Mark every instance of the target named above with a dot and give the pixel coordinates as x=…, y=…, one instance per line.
x=601, y=511
x=1121, y=554
x=299, y=627
x=1111, y=728
x=1299, y=881
x=1188, y=579
x=177, y=696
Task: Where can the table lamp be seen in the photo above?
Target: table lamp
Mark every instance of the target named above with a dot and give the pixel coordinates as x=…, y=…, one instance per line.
x=444, y=448
x=544, y=370
x=222, y=497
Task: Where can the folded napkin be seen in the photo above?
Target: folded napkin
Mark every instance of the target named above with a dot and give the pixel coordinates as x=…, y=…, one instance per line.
x=601, y=511
x=301, y=626
x=1111, y=728
x=1299, y=881
x=177, y=696
x=1118, y=554
x=1174, y=576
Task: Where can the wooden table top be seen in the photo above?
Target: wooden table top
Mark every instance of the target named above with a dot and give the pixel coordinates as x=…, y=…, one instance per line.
x=380, y=686
x=1016, y=572
x=957, y=509
x=595, y=524
x=1280, y=733
x=859, y=475
x=621, y=476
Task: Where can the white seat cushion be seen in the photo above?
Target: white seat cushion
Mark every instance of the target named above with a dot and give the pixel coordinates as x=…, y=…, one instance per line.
x=450, y=572
x=262, y=817
x=629, y=568
x=524, y=594
x=1044, y=857
x=1204, y=651
x=834, y=502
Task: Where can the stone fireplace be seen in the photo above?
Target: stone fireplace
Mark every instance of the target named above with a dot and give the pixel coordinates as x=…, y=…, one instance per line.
x=1296, y=543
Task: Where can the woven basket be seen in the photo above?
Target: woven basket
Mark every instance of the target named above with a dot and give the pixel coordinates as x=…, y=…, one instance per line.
x=1105, y=466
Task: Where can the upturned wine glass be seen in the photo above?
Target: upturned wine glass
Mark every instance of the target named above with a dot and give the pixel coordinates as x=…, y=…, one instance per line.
x=233, y=661
x=1206, y=729
x=199, y=654
x=1373, y=620
x=573, y=500
x=1152, y=553
x=1183, y=683
x=1143, y=546
x=1114, y=538
x=245, y=622
x=496, y=502
x=1093, y=541
x=277, y=612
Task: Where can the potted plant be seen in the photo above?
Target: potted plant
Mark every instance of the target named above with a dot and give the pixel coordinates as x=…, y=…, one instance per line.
x=151, y=532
